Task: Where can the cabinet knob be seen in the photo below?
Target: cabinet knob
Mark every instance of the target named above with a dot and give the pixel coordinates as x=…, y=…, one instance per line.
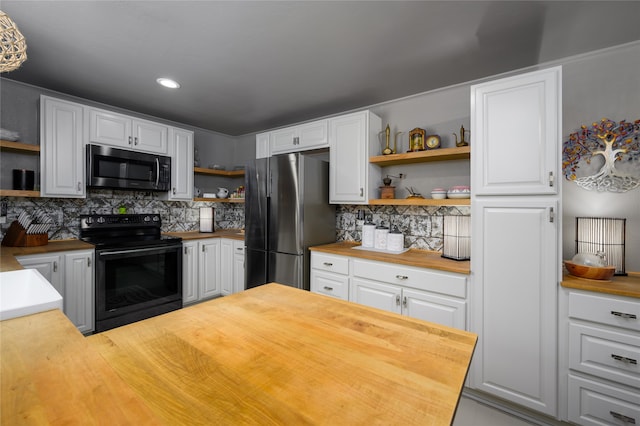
x=361, y=192
x=135, y=140
x=130, y=140
x=404, y=301
x=398, y=299
x=55, y=266
x=79, y=186
x=174, y=190
x=88, y=262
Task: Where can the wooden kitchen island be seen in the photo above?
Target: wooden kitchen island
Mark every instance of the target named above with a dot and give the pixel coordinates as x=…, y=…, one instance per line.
x=269, y=355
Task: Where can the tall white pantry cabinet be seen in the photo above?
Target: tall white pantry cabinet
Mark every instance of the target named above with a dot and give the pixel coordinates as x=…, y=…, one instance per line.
x=515, y=264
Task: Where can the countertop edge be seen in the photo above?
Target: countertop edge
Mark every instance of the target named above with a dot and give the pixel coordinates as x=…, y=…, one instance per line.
x=414, y=257
x=628, y=286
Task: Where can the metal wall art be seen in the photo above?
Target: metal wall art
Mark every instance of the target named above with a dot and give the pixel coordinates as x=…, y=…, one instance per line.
x=619, y=146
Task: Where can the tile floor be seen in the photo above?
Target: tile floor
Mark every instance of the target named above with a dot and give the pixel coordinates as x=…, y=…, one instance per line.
x=472, y=413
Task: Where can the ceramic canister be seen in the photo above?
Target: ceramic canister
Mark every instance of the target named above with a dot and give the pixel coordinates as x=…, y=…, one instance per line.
x=368, y=231
x=380, y=237
x=395, y=240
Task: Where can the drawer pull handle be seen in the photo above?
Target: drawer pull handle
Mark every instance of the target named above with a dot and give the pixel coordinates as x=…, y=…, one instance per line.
x=328, y=264
x=624, y=359
x=326, y=287
x=622, y=417
x=402, y=277
x=624, y=315
x=398, y=299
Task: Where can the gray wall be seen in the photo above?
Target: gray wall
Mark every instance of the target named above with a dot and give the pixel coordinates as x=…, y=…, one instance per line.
x=606, y=85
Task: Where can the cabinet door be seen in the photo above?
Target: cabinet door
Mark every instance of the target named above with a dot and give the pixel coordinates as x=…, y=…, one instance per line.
x=50, y=266
x=189, y=272
x=375, y=294
x=433, y=308
x=181, y=148
x=110, y=128
x=62, y=154
x=238, y=266
x=517, y=127
x=149, y=136
x=330, y=284
x=283, y=140
x=312, y=135
x=514, y=301
x=262, y=145
x=209, y=268
x=349, y=169
x=78, y=295
x=226, y=266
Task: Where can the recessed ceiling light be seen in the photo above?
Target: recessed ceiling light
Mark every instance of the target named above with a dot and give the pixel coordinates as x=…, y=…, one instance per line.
x=167, y=82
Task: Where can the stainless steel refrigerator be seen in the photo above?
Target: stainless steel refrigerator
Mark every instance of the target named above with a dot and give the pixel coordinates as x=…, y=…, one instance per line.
x=287, y=210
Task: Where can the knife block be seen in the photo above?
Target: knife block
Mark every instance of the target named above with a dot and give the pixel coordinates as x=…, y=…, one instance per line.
x=16, y=236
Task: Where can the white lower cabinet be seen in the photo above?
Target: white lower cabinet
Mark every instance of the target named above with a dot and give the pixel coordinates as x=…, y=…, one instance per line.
x=432, y=296
x=426, y=294
x=238, y=266
x=211, y=267
x=200, y=270
x=603, y=351
x=330, y=275
x=71, y=274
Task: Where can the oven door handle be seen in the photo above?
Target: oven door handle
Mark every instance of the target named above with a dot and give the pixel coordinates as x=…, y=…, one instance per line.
x=157, y=171
x=138, y=250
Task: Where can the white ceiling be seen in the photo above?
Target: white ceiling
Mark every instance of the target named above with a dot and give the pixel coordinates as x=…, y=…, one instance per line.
x=247, y=66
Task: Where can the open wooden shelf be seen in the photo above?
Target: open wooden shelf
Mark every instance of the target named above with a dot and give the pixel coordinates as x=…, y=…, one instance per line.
x=18, y=193
x=419, y=202
x=221, y=200
x=227, y=173
x=440, y=154
x=19, y=147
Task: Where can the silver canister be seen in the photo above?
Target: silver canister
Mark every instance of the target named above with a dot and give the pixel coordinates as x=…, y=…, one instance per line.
x=395, y=240
x=380, y=237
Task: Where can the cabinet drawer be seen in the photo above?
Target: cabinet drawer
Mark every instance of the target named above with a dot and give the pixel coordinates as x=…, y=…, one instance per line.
x=609, y=354
x=331, y=284
x=408, y=276
x=595, y=403
x=331, y=263
x=605, y=309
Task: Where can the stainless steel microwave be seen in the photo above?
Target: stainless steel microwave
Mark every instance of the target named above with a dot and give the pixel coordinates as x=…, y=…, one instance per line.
x=109, y=167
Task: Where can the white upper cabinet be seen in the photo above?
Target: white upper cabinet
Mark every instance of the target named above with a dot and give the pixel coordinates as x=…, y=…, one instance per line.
x=62, y=153
x=516, y=125
x=352, y=180
x=110, y=128
x=299, y=138
x=262, y=145
x=181, y=151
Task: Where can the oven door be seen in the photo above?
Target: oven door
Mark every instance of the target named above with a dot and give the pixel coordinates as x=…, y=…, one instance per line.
x=137, y=283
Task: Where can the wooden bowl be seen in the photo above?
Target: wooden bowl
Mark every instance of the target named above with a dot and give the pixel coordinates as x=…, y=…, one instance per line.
x=590, y=272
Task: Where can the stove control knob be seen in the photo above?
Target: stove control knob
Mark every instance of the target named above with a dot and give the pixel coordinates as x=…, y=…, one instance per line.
x=156, y=218
x=147, y=219
x=101, y=219
x=88, y=221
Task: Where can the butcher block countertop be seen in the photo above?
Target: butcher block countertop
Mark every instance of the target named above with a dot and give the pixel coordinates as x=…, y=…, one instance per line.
x=620, y=285
x=269, y=355
x=235, y=234
x=413, y=257
x=8, y=255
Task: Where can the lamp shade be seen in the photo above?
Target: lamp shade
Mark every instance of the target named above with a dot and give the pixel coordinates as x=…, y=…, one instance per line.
x=12, y=43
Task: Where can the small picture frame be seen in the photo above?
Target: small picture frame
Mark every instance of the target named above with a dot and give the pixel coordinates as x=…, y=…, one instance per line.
x=416, y=140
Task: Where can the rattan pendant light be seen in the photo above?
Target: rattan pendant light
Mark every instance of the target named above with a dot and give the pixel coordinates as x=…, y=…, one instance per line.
x=14, y=47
